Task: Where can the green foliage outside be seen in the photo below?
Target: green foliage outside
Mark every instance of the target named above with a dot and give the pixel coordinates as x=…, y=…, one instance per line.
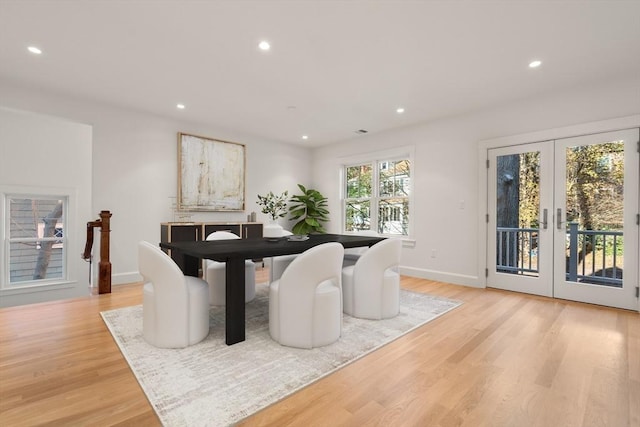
x=359, y=185
x=595, y=183
x=594, y=188
x=529, y=190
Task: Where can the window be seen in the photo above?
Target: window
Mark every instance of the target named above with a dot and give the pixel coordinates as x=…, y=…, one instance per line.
x=36, y=241
x=377, y=196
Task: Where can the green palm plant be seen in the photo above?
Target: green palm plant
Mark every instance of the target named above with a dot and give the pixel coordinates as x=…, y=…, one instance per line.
x=310, y=209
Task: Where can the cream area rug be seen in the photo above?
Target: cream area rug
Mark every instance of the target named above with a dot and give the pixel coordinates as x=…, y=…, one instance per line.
x=212, y=384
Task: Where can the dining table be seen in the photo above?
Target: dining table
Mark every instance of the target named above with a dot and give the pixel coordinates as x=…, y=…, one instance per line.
x=234, y=253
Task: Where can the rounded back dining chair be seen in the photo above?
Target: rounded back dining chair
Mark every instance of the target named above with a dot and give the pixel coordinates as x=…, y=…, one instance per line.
x=175, y=307
x=371, y=287
x=305, y=304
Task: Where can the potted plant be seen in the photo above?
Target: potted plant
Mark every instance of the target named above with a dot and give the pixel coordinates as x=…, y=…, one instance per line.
x=310, y=209
x=275, y=207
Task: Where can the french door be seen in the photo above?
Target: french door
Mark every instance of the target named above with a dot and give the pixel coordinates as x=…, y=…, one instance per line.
x=520, y=234
x=563, y=218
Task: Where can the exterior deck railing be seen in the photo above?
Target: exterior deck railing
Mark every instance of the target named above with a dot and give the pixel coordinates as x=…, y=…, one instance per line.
x=517, y=253
x=517, y=250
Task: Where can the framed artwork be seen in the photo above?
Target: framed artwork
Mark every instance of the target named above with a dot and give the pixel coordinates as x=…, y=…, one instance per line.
x=211, y=174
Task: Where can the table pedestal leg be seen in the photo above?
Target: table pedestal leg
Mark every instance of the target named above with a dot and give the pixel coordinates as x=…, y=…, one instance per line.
x=235, y=294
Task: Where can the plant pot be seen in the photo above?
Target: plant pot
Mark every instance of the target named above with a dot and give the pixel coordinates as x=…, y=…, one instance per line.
x=272, y=231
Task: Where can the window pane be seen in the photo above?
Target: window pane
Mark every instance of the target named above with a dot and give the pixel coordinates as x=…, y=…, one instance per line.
x=595, y=214
x=358, y=215
x=517, y=213
x=394, y=178
x=359, y=181
x=393, y=216
x=36, y=249
x=28, y=261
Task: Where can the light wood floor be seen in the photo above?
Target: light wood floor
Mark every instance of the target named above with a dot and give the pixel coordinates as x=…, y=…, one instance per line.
x=501, y=359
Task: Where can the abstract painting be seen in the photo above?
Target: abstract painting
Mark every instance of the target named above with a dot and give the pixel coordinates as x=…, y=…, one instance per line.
x=211, y=174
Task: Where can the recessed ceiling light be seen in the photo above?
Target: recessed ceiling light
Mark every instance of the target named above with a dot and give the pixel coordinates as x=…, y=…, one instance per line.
x=180, y=106
x=305, y=136
x=34, y=50
x=264, y=45
x=535, y=64
x=400, y=110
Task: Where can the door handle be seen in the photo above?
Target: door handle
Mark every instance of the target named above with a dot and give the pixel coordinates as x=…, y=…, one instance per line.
x=559, y=219
x=544, y=219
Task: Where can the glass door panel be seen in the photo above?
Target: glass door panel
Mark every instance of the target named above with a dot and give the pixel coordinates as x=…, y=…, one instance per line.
x=596, y=207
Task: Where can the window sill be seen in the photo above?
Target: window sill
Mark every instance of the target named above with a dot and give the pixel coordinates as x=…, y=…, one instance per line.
x=8, y=289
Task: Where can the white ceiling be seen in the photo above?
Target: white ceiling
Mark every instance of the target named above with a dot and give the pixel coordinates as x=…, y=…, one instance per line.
x=334, y=67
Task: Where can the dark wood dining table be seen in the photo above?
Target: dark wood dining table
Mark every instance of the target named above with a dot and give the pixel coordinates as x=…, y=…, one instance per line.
x=235, y=252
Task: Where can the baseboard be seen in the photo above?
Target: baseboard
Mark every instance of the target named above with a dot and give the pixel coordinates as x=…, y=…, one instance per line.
x=125, y=278
x=441, y=276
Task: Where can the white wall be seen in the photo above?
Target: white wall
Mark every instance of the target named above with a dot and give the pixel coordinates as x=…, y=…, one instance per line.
x=135, y=164
x=447, y=207
x=134, y=169
x=46, y=155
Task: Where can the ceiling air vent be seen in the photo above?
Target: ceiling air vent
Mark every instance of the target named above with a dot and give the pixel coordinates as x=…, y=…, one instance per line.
x=361, y=131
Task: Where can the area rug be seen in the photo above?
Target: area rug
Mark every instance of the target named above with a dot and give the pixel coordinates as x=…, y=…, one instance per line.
x=212, y=384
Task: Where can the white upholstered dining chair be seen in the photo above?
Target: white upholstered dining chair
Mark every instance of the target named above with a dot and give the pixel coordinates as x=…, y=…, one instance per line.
x=371, y=287
x=305, y=304
x=215, y=274
x=175, y=307
x=351, y=255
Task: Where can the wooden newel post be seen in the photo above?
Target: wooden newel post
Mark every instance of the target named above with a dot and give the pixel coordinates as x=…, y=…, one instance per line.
x=104, y=275
x=104, y=266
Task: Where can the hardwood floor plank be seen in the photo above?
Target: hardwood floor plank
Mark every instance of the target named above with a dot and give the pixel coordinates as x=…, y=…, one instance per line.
x=501, y=359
